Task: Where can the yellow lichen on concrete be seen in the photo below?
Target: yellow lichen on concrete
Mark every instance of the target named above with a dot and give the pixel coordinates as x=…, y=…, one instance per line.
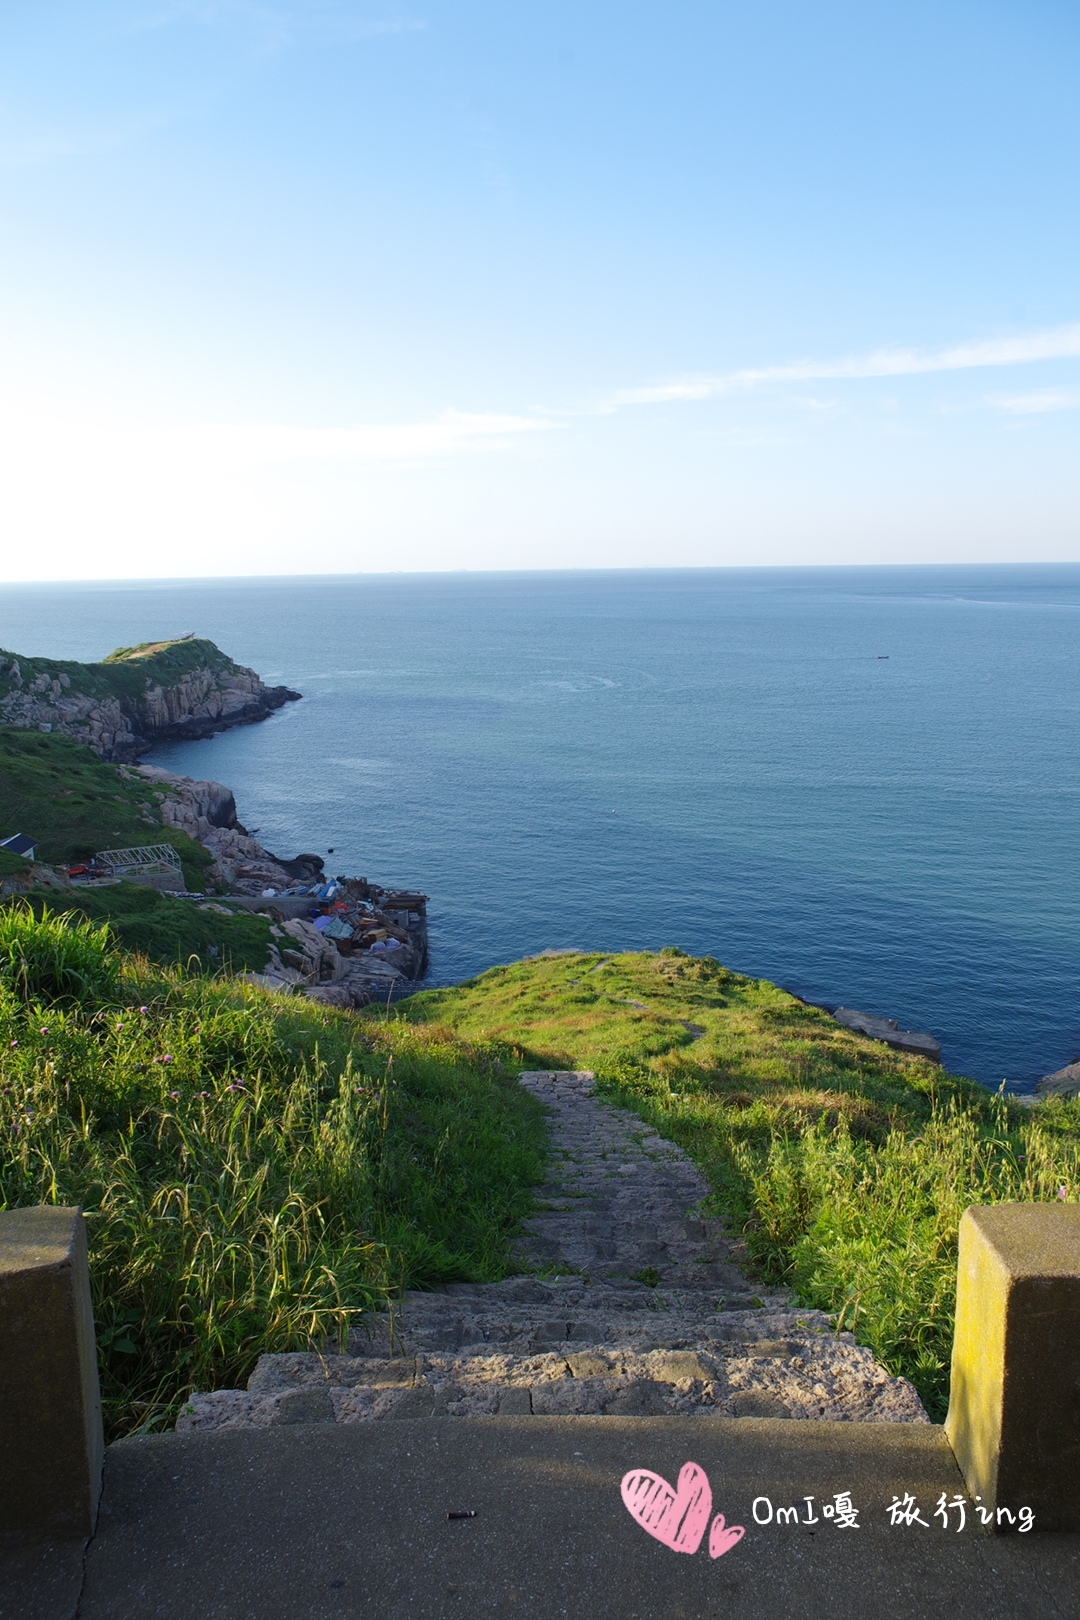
x=1014, y=1413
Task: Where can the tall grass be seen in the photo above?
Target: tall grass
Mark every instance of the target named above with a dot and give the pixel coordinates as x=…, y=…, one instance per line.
x=871, y=1232
x=257, y=1173
x=56, y=958
x=867, y=1227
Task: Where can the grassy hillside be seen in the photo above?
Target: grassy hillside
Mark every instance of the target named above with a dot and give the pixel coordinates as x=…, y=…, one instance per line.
x=59, y=792
x=256, y=1171
x=846, y=1164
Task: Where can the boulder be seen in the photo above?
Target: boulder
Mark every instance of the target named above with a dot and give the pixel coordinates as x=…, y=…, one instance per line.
x=889, y=1031
x=1062, y=1083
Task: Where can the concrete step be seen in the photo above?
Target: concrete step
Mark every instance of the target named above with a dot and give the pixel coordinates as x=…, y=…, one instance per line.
x=321, y=1521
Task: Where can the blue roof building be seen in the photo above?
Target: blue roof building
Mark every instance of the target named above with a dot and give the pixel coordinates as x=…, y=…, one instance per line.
x=19, y=844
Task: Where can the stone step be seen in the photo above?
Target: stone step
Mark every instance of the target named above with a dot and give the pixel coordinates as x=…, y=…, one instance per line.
x=755, y=1363
x=637, y=1306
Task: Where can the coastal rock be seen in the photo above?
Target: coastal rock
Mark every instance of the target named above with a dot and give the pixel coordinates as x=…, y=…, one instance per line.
x=1062, y=1083
x=206, y=811
x=889, y=1031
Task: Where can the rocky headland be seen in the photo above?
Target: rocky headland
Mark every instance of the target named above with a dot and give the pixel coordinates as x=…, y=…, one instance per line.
x=344, y=941
x=136, y=697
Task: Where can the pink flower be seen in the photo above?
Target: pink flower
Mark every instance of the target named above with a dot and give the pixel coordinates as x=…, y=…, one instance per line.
x=144, y=1009
x=1061, y=1193
x=14, y=1044
x=44, y=1029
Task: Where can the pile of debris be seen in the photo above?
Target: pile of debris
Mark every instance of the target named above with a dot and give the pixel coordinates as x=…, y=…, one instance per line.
x=356, y=944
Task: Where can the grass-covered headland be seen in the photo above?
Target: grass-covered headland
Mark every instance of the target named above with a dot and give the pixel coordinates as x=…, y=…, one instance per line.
x=846, y=1165
x=255, y=1170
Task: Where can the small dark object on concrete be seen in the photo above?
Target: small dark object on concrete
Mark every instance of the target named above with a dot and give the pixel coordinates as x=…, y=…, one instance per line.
x=465, y=1513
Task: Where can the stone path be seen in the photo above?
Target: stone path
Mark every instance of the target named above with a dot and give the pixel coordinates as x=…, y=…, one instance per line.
x=634, y=1304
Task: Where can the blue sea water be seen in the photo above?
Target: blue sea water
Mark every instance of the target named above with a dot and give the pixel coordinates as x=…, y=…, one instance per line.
x=862, y=783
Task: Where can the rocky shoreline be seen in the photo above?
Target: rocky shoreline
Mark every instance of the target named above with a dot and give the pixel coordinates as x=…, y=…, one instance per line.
x=345, y=942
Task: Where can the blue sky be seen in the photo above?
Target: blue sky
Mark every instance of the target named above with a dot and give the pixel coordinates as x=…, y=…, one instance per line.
x=334, y=286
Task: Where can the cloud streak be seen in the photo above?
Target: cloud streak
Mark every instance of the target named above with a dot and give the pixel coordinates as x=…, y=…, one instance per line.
x=226, y=444
x=449, y=434
x=1060, y=343
x=1039, y=402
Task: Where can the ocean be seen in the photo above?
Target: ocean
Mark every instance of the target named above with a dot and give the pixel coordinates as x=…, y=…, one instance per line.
x=861, y=783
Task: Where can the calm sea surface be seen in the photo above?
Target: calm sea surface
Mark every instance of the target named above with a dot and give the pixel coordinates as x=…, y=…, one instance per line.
x=862, y=783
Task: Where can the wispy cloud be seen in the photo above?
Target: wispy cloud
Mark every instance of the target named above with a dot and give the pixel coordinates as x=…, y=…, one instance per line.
x=1060, y=343
x=452, y=433
x=1038, y=403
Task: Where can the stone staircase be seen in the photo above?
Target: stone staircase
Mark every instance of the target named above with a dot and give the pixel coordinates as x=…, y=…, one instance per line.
x=633, y=1304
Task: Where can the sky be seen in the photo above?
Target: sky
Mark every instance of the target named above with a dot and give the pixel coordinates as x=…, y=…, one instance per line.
x=337, y=287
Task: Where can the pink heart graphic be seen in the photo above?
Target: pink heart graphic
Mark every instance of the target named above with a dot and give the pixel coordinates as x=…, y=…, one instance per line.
x=721, y=1540
x=675, y=1517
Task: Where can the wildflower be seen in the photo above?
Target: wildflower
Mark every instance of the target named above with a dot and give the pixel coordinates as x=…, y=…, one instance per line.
x=44, y=1029
x=14, y=1044
x=1061, y=1193
x=144, y=1009
x=174, y=1094
x=167, y=1058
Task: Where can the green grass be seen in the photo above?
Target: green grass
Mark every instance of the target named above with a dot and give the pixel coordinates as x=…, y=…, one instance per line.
x=256, y=1171
x=11, y=865
x=59, y=792
x=172, y=933
x=844, y=1165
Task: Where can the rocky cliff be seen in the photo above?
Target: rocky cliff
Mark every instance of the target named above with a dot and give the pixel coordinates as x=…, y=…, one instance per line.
x=136, y=697
x=206, y=811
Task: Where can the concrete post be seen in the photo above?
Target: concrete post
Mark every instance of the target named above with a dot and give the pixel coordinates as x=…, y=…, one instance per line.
x=1014, y=1414
x=50, y=1410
